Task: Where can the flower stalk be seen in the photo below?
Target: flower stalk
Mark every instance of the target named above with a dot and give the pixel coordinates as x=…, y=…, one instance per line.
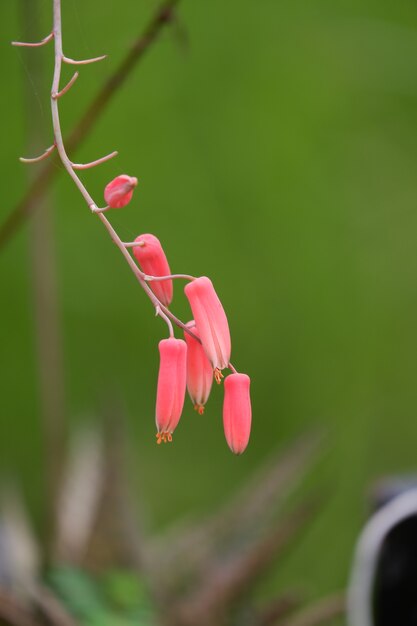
x=209, y=336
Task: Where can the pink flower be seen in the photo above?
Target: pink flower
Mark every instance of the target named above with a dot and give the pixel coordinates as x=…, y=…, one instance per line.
x=199, y=370
x=119, y=191
x=211, y=322
x=237, y=412
x=170, y=393
x=153, y=262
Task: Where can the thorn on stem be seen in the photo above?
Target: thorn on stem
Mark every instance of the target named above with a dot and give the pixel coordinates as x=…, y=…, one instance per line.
x=95, y=209
x=83, y=61
x=37, y=44
x=86, y=166
x=41, y=157
x=57, y=94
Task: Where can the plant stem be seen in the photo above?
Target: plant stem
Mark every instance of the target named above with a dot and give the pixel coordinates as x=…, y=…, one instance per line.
x=160, y=309
x=30, y=201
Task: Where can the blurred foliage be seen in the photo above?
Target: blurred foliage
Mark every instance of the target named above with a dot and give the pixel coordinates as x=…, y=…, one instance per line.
x=274, y=145
x=114, y=599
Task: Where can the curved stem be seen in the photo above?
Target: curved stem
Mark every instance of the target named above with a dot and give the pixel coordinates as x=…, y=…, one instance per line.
x=66, y=88
x=162, y=311
x=83, y=61
x=37, y=44
x=168, y=277
x=160, y=308
x=39, y=158
x=86, y=166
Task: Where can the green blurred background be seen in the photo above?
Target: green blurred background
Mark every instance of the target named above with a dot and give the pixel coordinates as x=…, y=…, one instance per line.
x=274, y=142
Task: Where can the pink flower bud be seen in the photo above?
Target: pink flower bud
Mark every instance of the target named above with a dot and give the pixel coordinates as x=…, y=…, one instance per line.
x=199, y=370
x=211, y=322
x=119, y=191
x=170, y=393
x=237, y=412
x=153, y=262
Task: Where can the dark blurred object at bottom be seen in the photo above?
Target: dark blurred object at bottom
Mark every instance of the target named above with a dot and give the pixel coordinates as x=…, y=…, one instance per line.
x=383, y=590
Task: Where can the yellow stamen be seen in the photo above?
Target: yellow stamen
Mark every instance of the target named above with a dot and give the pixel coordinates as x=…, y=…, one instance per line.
x=218, y=376
x=163, y=437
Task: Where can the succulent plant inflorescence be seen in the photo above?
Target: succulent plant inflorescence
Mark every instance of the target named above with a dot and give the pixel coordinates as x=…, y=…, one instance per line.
x=206, y=352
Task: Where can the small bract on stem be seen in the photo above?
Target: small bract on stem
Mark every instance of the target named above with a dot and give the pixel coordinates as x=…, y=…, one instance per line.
x=208, y=335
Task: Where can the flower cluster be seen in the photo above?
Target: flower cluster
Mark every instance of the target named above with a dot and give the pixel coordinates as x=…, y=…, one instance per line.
x=193, y=362
x=204, y=353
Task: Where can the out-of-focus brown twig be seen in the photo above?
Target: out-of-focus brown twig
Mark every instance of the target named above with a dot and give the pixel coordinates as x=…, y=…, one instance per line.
x=278, y=609
x=13, y=612
x=226, y=581
x=163, y=15
x=44, y=282
x=247, y=514
x=322, y=612
x=51, y=608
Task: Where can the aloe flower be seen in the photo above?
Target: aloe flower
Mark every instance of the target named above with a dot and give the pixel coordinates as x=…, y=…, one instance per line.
x=171, y=386
x=211, y=322
x=152, y=260
x=119, y=191
x=199, y=370
x=237, y=412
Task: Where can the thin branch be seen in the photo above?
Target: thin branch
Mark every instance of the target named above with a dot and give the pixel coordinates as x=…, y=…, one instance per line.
x=86, y=166
x=38, y=44
x=83, y=61
x=13, y=613
x=160, y=309
x=39, y=158
x=45, y=298
x=67, y=87
x=320, y=613
x=150, y=279
x=166, y=318
x=30, y=201
x=51, y=607
x=66, y=162
x=134, y=244
x=224, y=582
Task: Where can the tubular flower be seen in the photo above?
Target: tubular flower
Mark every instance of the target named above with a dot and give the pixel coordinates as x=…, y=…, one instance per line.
x=199, y=370
x=211, y=322
x=119, y=191
x=153, y=261
x=237, y=412
x=171, y=386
